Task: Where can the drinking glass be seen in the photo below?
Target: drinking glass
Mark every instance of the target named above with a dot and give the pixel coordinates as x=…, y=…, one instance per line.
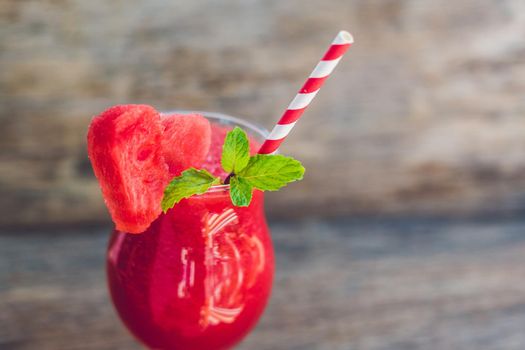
x=200, y=276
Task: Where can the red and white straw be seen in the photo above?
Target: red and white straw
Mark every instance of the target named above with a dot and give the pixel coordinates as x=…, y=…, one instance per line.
x=306, y=94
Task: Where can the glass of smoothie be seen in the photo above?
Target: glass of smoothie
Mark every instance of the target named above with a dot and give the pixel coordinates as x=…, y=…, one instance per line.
x=200, y=276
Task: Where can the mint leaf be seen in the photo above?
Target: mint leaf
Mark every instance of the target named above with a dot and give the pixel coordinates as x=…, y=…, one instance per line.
x=240, y=191
x=271, y=172
x=235, y=151
x=190, y=182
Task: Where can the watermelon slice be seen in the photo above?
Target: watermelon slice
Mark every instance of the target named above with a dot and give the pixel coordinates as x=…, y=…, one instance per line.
x=123, y=146
x=186, y=141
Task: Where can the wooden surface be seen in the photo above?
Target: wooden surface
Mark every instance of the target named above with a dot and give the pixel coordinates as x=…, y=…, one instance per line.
x=340, y=285
x=425, y=113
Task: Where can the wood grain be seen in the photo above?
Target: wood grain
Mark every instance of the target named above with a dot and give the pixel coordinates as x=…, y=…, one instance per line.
x=425, y=113
x=340, y=285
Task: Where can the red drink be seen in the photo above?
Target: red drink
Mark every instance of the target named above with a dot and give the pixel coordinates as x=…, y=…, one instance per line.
x=200, y=276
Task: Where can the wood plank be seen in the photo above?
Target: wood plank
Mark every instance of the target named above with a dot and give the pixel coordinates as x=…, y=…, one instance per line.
x=424, y=114
x=373, y=285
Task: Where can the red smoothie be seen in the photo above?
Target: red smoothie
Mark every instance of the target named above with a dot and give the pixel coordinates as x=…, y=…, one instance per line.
x=200, y=276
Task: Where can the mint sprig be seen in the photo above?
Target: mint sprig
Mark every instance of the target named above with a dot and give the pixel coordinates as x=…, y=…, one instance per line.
x=264, y=172
x=189, y=183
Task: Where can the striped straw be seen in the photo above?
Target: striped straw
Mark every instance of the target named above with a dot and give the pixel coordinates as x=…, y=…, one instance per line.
x=306, y=94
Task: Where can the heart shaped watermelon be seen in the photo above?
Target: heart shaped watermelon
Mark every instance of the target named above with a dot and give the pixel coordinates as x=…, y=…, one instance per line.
x=134, y=155
x=123, y=146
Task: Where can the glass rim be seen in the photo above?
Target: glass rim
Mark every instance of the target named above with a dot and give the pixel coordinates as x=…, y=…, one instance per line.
x=254, y=127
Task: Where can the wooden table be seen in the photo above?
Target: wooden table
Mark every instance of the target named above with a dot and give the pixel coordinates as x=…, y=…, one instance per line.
x=340, y=284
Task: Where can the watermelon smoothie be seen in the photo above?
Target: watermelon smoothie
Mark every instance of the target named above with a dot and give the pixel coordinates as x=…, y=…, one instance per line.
x=200, y=276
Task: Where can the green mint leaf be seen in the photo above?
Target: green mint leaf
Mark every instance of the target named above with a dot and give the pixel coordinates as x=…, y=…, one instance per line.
x=271, y=172
x=240, y=191
x=190, y=182
x=235, y=151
